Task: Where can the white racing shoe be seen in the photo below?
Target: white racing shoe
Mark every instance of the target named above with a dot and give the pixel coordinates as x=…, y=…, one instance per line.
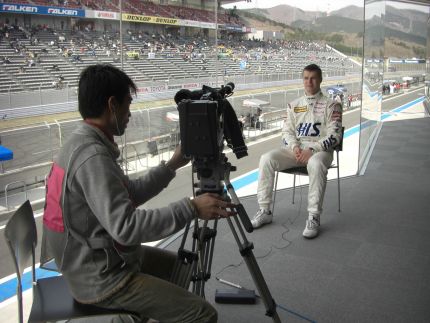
x=261, y=218
x=312, y=227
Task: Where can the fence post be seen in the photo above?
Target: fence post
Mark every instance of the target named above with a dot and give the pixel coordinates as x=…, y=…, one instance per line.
x=60, y=135
x=50, y=140
x=10, y=96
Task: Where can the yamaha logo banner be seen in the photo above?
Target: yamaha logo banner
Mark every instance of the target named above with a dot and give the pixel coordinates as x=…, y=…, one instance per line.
x=41, y=10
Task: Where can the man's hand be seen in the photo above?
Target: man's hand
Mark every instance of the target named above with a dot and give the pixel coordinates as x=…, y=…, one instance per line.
x=210, y=206
x=177, y=160
x=304, y=156
x=297, y=152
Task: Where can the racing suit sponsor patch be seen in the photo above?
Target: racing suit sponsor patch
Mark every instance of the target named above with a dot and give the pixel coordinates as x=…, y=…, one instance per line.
x=308, y=129
x=329, y=142
x=300, y=109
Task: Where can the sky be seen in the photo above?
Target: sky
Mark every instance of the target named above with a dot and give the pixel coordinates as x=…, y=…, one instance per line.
x=315, y=5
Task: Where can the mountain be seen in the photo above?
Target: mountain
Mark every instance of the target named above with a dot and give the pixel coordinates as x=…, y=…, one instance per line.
x=286, y=14
x=331, y=24
x=346, y=19
x=351, y=12
x=405, y=27
x=406, y=21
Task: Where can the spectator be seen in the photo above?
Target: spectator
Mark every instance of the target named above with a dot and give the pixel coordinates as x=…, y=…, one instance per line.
x=349, y=100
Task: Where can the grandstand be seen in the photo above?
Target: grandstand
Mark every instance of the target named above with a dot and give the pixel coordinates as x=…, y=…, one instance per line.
x=42, y=57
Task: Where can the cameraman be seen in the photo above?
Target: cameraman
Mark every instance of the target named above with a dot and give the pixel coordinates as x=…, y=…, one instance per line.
x=92, y=226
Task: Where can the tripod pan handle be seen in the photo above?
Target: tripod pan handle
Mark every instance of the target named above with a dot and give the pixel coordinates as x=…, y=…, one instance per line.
x=244, y=218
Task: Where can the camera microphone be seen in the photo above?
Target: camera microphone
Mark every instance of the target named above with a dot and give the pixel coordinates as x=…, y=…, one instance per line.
x=227, y=89
x=185, y=94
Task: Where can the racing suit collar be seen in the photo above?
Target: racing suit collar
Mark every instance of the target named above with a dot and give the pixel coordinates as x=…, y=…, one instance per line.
x=314, y=96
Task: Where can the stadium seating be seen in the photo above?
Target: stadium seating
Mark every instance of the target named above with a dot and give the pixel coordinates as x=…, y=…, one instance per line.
x=60, y=54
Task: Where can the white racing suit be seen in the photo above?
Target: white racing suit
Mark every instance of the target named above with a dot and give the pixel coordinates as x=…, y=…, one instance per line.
x=311, y=122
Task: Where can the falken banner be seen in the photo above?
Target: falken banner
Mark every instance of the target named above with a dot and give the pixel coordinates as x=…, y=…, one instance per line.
x=41, y=10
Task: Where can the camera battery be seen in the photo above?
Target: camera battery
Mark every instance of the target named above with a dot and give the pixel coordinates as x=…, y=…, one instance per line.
x=235, y=296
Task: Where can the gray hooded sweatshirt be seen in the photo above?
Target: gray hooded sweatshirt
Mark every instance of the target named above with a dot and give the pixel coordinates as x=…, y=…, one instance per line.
x=92, y=226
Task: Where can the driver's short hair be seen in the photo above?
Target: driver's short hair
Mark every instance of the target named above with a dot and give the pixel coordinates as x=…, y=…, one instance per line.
x=313, y=68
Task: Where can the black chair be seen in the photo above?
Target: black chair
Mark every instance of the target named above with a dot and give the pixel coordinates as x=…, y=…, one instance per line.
x=297, y=171
x=52, y=300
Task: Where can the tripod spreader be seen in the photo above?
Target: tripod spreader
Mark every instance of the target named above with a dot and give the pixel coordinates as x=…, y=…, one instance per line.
x=204, y=234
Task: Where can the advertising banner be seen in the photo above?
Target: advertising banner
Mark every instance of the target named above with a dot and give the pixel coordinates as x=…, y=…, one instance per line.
x=102, y=14
x=209, y=25
x=198, y=24
x=41, y=10
x=415, y=61
x=150, y=19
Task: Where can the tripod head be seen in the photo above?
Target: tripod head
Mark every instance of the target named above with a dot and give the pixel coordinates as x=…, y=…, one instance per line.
x=214, y=177
x=211, y=174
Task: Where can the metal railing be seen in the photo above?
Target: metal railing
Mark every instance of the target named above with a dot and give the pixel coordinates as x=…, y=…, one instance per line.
x=6, y=190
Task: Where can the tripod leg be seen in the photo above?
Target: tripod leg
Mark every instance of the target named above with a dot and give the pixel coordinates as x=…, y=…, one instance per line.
x=204, y=243
x=245, y=249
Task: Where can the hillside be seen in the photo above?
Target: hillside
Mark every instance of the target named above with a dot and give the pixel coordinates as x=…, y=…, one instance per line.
x=405, y=30
x=406, y=21
x=331, y=24
x=286, y=14
x=351, y=12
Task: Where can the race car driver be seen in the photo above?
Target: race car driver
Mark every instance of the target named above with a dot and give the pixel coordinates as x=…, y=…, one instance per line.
x=313, y=127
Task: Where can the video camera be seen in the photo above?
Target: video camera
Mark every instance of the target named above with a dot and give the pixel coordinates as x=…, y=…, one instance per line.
x=206, y=118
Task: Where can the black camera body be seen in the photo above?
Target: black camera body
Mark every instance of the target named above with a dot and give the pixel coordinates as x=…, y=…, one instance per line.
x=201, y=129
x=206, y=119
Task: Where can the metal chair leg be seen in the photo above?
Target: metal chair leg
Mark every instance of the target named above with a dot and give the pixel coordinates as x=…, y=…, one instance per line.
x=274, y=193
x=338, y=181
x=294, y=187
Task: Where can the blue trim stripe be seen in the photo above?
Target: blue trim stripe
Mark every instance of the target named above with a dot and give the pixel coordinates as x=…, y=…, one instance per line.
x=8, y=288
x=403, y=107
x=246, y=180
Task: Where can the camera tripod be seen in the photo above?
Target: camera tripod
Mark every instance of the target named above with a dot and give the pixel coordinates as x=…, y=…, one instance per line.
x=196, y=265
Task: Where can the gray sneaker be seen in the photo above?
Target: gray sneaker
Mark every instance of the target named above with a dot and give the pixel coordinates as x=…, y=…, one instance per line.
x=261, y=218
x=312, y=227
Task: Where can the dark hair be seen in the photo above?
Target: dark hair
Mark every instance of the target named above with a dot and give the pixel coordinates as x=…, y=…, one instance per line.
x=99, y=82
x=313, y=68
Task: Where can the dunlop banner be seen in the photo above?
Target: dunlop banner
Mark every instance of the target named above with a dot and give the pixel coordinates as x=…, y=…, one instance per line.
x=150, y=19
